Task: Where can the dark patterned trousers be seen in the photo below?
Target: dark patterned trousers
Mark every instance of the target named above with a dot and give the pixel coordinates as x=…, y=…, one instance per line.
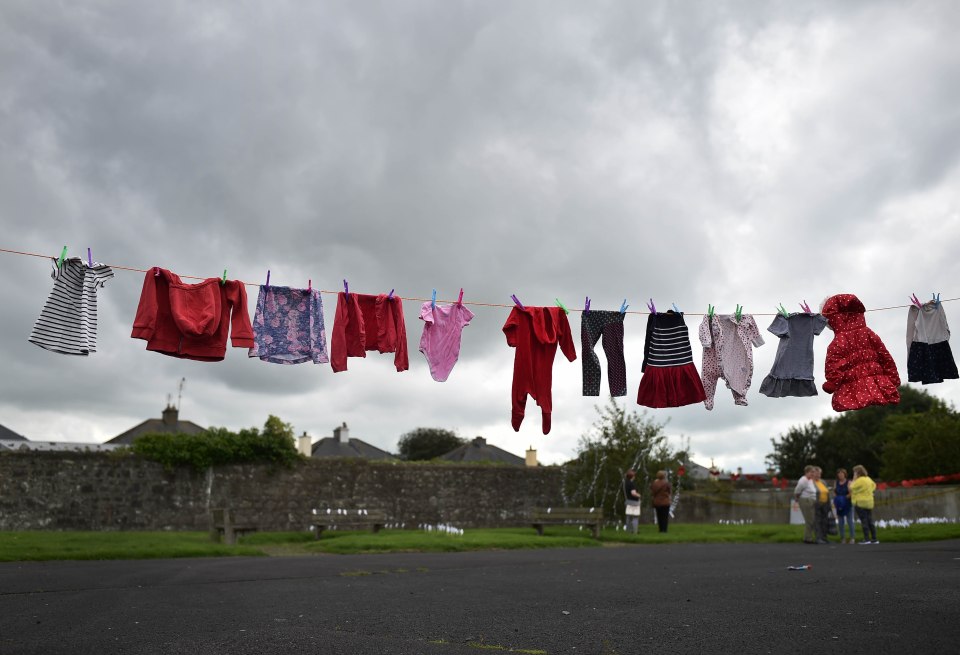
x=609, y=325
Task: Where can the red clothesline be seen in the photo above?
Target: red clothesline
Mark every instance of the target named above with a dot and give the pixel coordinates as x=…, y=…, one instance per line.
x=471, y=303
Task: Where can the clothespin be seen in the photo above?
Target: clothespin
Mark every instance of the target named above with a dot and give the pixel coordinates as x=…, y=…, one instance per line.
x=156, y=271
x=268, y=278
x=460, y=299
x=390, y=295
x=624, y=306
x=782, y=311
x=586, y=304
x=89, y=258
x=915, y=300
x=805, y=307
x=652, y=307
x=739, y=312
x=517, y=301
x=936, y=300
x=223, y=280
x=310, y=284
x=63, y=254
x=433, y=301
x=675, y=308
x=346, y=289
x=560, y=305
x=710, y=310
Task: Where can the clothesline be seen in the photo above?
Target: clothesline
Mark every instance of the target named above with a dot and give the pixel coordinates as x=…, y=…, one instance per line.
x=413, y=298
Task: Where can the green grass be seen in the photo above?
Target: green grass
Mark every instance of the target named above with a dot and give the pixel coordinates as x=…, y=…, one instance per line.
x=22, y=546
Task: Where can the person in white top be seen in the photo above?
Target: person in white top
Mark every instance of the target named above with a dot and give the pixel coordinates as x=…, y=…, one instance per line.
x=805, y=494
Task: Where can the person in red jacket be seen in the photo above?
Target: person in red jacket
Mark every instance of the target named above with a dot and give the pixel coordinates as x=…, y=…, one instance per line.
x=536, y=332
x=859, y=369
x=192, y=321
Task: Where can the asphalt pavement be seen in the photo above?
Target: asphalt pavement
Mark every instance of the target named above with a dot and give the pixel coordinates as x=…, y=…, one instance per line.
x=717, y=598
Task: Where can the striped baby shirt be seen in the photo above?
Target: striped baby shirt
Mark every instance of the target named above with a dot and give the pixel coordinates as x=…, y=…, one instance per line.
x=68, y=321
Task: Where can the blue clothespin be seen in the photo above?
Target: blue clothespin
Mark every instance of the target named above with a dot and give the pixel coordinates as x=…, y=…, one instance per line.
x=517, y=301
x=223, y=280
x=586, y=304
x=89, y=258
x=433, y=300
x=936, y=299
x=652, y=307
x=63, y=254
x=560, y=305
x=675, y=308
x=624, y=306
x=268, y=279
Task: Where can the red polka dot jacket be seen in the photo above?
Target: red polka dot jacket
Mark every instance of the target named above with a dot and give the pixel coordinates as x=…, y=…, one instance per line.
x=859, y=369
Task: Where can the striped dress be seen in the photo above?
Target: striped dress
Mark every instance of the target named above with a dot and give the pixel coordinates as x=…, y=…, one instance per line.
x=670, y=378
x=68, y=321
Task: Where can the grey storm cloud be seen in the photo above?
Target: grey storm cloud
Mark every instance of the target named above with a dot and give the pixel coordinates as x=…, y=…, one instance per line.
x=722, y=153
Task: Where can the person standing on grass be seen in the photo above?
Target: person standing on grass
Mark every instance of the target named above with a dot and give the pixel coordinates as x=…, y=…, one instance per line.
x=841, y=503
x=821, y=509
x=805, y=494
x=660, y=490
x=861, y=493
x=632, y=497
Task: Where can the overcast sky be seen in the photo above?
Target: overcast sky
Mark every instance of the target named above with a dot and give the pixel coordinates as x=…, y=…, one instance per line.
x=693, y=153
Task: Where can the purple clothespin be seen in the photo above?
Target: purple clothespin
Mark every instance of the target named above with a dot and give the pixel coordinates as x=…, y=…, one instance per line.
x=268, y=278
x=89, y=258
x=390, y=295
x=517, y=301
x=586, y=304
x=346, y=289
x=652, y=307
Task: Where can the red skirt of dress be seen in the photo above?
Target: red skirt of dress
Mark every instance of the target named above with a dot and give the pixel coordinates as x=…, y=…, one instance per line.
x=671, y=386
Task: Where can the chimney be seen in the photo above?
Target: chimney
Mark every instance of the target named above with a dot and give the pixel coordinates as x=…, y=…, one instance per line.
x=342, y=433
x=304, y=446
x=531, y=456
x=170, y=416
x=479, y=442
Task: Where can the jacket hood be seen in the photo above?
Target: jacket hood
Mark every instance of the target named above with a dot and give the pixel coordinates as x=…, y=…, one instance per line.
x=196, y=308
x=843, y=311
x=545, y=324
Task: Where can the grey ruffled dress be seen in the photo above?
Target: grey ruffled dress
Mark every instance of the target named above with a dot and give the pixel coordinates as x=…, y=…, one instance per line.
x=792, y=372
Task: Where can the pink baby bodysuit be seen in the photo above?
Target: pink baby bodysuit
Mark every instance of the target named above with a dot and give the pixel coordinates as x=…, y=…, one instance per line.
x=440, y=343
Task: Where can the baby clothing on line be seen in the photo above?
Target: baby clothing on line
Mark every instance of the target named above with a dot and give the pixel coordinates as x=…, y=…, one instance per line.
x=670, y=378
x=792, y=371
x=609, y=325
x=288, y=326
x=929, y=359
x=440, y=342
x=68, y=321
x=728, y=354
x=192, y=321
x=859, y=370
x=536, y=332
x=366, y=322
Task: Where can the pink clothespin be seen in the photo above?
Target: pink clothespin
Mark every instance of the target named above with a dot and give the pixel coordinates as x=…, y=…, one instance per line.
x=915, y=300
x=652, y=307
x=805, y=307
x=460, y=299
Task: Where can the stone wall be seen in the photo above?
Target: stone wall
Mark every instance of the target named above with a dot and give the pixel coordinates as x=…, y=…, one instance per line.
x=91, y=491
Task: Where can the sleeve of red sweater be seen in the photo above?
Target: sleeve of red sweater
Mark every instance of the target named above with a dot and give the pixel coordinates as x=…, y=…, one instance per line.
x=241, y=332
x=145, y=322
x=510, y=328
x=566, y=338
x=401, y=359
x=338, y=337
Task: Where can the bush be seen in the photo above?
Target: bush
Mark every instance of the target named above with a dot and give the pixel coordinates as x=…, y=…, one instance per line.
x=216, y=446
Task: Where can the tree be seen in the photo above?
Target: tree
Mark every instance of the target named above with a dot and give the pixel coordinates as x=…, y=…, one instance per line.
x=796, y=449
x=428, y=443
x=618, y=441
x=921, y=445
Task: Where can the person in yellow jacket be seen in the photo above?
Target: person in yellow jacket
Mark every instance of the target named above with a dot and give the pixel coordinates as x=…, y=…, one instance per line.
x=861, y=494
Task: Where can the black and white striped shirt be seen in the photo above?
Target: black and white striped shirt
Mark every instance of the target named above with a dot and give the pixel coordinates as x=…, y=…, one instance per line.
x=68, y=321
x=668, y=341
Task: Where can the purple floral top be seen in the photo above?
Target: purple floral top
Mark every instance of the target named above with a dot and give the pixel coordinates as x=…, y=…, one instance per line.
x=288, y=326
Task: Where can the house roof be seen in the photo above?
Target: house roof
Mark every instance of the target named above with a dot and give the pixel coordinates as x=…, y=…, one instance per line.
x=169, y=424
x=479, y=450
x=333, y=447
x=7, y=434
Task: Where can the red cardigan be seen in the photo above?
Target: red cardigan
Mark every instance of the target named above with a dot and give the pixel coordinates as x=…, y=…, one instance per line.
x=365, y=322
x=191, y=321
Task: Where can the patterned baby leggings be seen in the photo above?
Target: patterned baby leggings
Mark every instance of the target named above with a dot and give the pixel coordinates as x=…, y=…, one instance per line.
x=609, y=325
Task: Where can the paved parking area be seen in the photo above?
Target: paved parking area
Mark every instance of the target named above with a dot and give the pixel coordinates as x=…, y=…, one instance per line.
x=891, y=598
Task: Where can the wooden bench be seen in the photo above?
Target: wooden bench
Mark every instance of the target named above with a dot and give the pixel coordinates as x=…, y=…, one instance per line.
x=592, y=517
x=347, y=519
x=223, y=522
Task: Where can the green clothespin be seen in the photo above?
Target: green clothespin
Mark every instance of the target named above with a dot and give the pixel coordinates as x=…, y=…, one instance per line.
x=710, y=311
x=739, y=312
x=782, y=311
x=63, y=254
x=560, y=305
x=223, y=280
